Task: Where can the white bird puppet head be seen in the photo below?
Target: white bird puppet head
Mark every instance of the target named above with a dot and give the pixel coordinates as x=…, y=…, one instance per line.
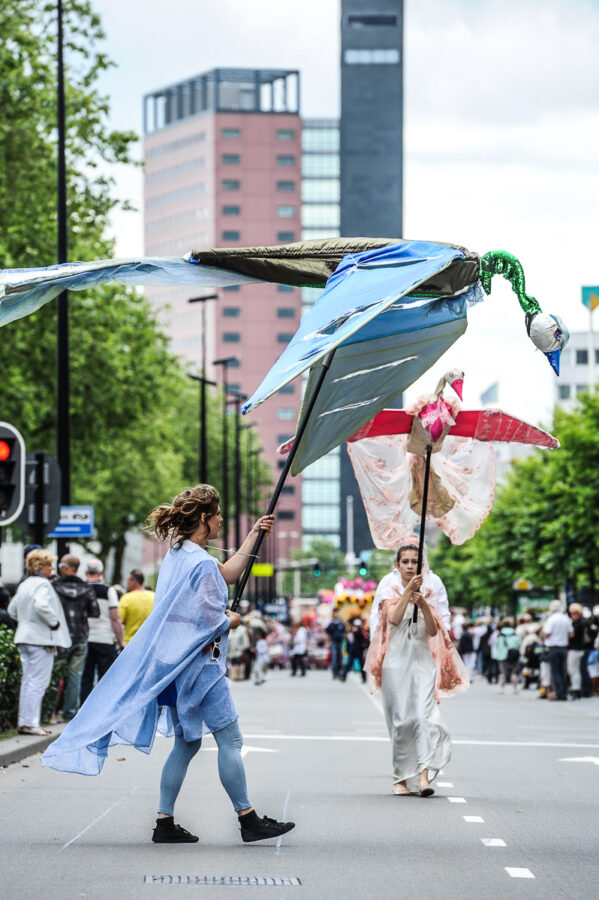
x=455, y=379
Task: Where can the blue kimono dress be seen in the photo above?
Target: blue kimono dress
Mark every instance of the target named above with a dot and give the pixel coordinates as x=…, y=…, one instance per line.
x=164, y=663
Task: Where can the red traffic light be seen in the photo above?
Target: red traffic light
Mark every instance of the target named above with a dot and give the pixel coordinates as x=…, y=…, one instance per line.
x=4, y=451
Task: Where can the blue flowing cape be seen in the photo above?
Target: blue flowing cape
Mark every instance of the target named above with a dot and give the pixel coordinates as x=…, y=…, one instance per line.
x=188, y=613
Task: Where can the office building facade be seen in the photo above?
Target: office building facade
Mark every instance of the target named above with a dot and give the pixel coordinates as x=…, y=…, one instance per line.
x=579, y=367
x=222, y=157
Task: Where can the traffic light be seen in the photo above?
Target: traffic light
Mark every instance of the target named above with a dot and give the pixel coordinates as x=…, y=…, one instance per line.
x=12, y=473
x=317, y=571
x=363, y=568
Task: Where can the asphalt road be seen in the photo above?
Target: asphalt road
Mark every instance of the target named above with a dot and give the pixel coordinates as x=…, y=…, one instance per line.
x=513, y=816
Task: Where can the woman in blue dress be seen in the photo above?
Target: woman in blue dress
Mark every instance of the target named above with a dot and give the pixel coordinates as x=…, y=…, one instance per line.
x=171, y=677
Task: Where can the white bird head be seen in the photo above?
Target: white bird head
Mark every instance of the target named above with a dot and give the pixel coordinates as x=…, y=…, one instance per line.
x=455, y=379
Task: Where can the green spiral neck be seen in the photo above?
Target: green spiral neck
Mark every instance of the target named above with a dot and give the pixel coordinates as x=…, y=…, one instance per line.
x=499, y=262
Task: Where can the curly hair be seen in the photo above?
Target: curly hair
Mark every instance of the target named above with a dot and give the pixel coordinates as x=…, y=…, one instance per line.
x=182, y=518
x=37, y=559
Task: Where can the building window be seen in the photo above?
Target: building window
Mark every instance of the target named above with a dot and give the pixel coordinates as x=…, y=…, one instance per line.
x=285, y=134
x=286, y=236
x=231, y=235
x=234, y=388
x=286, y=514
x=285, y=312
x=285, y=212
x=326, y=467
x=320, y=491
x=231, y=337
x=563, y=391
x=320, y=165
x=231, y=287
x=285, y=160
x=234, y=363
x=282, y=439
x=288, y=489
x=321, y=215
x=582, y=357
x=284, y=338
x=280, y=464
x=231, y=311
x=596, y=356
x=231, y=184
x=286, y=415
x=231, y=159
x=321, y=190
x=285, y=288
x=285, y=185
x=319, y=140
x=581, y=388
x=287, y=389
x=326, y=517
x=372, y=57
x=230, y=133
x=231, y=210
x=377, y=19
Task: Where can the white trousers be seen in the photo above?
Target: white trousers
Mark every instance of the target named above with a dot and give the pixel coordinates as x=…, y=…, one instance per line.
x=37, y=665
x=259, y=670
x=573, y=665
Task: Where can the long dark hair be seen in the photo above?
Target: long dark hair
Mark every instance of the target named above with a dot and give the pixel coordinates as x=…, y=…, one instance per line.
x=182, y=518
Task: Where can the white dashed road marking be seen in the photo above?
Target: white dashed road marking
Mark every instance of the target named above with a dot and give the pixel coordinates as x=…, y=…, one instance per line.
x=444, y=784
x=473, y=819
x=493, y=842
x=457, y=799
x=518, y=872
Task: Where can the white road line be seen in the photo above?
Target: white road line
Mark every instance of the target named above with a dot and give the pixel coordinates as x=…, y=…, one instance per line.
x=101, y=816
x=280, y=837
x=473, y=819
x=516, y=872
x=444, y=784
x=374, y=738
x=457, y=799
x=493, y=842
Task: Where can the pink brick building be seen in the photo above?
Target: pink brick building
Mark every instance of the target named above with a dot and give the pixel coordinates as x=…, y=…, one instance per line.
x=222, y=155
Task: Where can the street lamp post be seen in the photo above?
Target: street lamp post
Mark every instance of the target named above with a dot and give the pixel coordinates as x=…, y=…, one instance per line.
x=225, y=362
x=203, y=452
x=202, y=476
x=237, y=399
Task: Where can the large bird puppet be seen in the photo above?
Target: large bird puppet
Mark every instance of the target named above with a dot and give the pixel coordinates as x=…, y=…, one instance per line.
x=388, y=311
x=388, y=457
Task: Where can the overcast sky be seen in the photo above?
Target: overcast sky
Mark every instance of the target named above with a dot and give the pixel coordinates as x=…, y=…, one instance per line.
x=501, y=138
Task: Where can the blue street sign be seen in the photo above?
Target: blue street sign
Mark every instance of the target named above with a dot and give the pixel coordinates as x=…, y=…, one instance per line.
x=75, y=521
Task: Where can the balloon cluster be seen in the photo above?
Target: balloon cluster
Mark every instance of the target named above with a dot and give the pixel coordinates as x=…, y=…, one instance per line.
x=350, y=594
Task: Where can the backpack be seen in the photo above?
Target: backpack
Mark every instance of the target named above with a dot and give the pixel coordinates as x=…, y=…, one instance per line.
x=512, y=642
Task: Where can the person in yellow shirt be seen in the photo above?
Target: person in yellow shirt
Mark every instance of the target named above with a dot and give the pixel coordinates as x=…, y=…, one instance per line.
x=136, y=605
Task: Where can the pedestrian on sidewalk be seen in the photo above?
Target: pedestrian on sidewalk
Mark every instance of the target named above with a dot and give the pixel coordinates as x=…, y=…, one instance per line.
x=507, y=653
x=136, y=605
x=577, y=644
x=177, y=661
x=414, y=664
x=103, y=631
x=79, y=604
x=336, y=633
x=299, y=648
x=261, y=662
x=557, y=632
x=41, y=628
x=466, y=649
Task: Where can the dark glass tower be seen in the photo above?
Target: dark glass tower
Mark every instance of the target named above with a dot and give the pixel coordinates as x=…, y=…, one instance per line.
x=371, y=151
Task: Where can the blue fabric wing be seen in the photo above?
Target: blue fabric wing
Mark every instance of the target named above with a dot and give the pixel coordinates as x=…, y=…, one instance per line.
x=23, y=291
x=363, y=286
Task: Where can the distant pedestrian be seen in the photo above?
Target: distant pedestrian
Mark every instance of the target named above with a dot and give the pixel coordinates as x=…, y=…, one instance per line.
x=103, y=631
x=261, y=661
x=466, y=649
x=577, y=644
x=507, y=653
x=357, y=644
x=79, y=603
x=557, y=631
x=299, y=648
x=489, y=665
x=336, y=633
x=41, y=628
x=136, y=605
x=239, y=644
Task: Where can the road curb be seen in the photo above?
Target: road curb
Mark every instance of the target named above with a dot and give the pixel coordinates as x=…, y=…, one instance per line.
x=13, y=750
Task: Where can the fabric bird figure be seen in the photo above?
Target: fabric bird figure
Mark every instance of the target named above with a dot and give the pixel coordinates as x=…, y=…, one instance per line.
x=437, y=417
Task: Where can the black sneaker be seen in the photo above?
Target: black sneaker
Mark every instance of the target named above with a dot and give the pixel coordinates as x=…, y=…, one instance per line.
x=262, y=829
x=166, y=832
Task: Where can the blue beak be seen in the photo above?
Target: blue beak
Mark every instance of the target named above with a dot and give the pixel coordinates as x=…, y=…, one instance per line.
x=553, y=357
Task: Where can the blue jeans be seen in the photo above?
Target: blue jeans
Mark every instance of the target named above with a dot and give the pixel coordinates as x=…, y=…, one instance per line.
x=557, y=662
x=336, y=659
x=231, y=770
x=75, y=662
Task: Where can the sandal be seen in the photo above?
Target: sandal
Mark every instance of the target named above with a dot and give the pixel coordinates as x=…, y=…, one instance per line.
x=427, y=791
x=400, y=791
x=27, y=729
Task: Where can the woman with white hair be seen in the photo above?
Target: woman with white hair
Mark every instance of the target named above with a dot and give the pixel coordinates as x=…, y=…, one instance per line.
x=41, y=628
